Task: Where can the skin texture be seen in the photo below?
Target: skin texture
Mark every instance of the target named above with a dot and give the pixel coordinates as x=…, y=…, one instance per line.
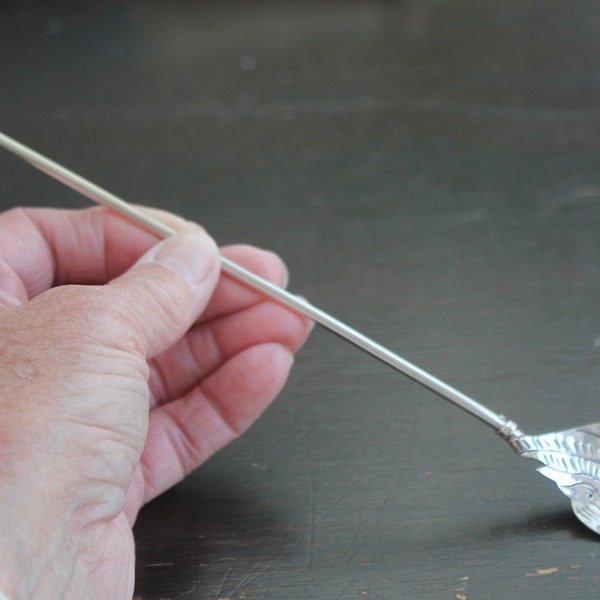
x=124, y=364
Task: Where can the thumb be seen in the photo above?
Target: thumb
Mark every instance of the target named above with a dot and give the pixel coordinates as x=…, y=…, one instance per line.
x=161, y=296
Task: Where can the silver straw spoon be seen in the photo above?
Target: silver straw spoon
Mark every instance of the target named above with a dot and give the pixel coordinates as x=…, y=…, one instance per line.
x=571, y=458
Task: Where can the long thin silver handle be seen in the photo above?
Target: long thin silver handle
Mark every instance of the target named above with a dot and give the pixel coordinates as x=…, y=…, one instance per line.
x=102, y=196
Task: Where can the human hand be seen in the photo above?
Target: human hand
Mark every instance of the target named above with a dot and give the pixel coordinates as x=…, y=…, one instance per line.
x=124, y=365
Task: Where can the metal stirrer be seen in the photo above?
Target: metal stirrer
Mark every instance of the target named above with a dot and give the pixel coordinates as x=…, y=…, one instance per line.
x=571, y=458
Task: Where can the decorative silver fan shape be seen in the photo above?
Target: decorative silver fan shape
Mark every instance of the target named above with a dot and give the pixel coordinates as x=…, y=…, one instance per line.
x=572, y=461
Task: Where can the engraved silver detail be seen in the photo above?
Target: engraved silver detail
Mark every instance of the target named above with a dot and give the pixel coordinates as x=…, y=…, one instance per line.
x=572, y=461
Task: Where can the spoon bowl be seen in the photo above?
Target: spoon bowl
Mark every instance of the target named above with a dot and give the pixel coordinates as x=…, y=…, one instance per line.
x=571, y=459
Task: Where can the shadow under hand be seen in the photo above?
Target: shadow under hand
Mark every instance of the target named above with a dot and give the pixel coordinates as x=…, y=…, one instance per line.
x=202, y=534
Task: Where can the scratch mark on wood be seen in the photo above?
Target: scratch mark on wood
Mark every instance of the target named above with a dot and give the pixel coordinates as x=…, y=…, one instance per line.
x=539, y=572
x=224, y=581
x=462, y=588
x=250, y=578
x=346, y=588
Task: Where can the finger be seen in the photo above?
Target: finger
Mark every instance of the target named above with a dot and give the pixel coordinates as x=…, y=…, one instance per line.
x=46, y=247
x=231, y=295
x=210, y=344
x=155, y=302
x=185, y=433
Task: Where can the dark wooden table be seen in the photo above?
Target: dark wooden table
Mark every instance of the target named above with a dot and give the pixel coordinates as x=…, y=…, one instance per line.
x=430, y=170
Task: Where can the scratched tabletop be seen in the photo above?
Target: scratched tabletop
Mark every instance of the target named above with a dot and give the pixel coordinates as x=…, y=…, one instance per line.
x=430, y=172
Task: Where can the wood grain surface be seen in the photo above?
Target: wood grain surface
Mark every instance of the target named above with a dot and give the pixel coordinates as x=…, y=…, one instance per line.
x=429, y=170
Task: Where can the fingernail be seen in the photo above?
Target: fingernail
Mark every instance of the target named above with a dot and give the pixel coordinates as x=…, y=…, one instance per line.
x=285, y=274
x=7, y=299
x=192, y=255
x=284, y=270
